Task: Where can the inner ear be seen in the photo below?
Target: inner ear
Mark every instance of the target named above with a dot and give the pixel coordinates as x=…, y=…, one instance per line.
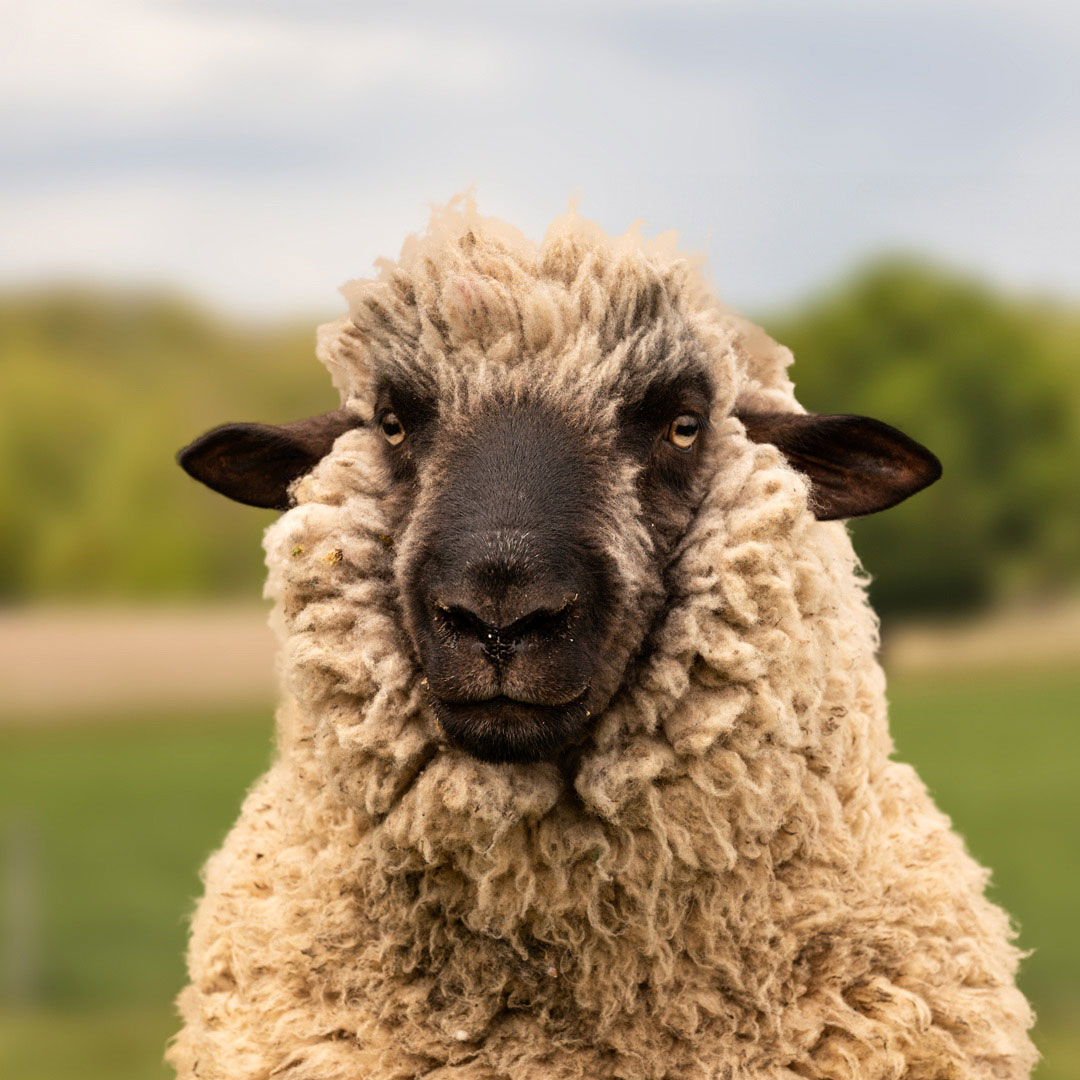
x=855, y=465
x=255, y=463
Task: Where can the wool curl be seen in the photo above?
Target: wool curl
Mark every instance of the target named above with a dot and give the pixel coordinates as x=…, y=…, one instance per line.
x=736, y=882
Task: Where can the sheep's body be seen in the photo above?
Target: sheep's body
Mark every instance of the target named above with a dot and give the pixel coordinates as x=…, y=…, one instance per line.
x=736, y=882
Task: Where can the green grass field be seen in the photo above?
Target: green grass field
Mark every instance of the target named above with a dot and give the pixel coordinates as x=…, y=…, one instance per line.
x=104, y=826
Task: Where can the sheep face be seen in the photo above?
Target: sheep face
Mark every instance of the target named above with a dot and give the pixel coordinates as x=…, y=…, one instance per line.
x=536, y=525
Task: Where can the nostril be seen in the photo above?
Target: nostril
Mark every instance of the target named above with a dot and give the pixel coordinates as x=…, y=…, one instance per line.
x=541, y=620
x=496, y=644
x=459, y=619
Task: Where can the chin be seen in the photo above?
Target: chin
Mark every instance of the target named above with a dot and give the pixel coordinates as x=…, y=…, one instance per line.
x=501, y=730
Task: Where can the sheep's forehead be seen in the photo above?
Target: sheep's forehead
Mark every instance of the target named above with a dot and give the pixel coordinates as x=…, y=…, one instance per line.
x=581, y=373
x=467, y=329
x=473, y=305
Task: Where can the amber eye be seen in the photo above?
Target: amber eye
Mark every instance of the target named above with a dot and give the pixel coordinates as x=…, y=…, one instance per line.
x=683, y=431
x=392, y=430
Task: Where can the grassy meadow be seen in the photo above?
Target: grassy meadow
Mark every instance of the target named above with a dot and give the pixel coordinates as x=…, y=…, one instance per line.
x=106, y=824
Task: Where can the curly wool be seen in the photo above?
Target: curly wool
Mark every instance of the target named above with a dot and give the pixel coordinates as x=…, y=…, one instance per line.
x=737, y=881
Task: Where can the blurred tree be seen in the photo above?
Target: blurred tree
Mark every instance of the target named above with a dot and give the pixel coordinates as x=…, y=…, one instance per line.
x=992, y=385
x=99, y=391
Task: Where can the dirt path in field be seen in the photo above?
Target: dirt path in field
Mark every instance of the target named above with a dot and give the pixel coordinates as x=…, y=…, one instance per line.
x=64, y=663
x=1021, y=640
x=58, y=665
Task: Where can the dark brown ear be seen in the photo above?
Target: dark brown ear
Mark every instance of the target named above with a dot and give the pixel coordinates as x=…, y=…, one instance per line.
x=856, y=465
x=256, y=463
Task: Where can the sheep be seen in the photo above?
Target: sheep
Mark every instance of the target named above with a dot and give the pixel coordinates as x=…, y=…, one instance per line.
x=583, y=767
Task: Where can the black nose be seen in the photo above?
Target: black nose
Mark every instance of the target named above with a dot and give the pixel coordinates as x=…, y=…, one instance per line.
x=500, y=627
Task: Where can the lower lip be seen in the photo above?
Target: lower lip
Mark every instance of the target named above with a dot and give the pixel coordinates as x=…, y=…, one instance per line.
x=504, y=730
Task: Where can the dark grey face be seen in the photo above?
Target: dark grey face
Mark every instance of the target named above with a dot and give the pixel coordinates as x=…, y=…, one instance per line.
x=508, y=579
x=504, y=594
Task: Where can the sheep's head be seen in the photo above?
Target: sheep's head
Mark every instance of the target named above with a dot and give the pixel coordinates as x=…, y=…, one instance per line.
x=542, y=425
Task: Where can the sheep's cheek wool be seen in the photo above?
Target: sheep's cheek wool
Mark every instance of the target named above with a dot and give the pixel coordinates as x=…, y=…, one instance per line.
x=740, y=882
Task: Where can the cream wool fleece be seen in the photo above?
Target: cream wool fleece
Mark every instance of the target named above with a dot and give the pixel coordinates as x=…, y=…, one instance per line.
x=735, y=882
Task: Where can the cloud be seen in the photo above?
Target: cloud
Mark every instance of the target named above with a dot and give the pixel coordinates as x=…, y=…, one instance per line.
x=260, y=154
x=120, y=62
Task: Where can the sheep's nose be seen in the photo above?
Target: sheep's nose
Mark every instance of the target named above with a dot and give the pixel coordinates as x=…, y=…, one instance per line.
x=500, y=627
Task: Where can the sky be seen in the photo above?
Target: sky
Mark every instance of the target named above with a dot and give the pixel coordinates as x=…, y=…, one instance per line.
x=256, y=155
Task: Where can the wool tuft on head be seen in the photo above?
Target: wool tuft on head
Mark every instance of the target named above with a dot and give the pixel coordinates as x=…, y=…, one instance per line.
x=583, y=766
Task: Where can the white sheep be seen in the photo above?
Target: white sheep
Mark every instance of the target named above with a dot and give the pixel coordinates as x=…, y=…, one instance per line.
x=583, y=766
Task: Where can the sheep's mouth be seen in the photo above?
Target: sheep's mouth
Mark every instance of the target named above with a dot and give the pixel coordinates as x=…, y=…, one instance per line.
x=502, y=729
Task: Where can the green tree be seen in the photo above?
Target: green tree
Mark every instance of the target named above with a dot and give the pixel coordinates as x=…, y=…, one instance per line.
x=992, y=386
x=99, y=391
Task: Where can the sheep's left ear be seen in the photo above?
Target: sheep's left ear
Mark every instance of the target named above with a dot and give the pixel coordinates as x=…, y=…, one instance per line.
x=255, y=463
x=855, y=465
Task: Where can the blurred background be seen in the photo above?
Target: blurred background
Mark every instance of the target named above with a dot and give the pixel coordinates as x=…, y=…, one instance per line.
x=890, y=188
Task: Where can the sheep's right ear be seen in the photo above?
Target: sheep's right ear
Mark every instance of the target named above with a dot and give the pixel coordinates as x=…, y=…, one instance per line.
x=856, y=465
x=255, y=463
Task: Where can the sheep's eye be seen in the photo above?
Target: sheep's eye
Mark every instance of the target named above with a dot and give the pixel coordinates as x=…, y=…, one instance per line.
x=683, y=431
x=392, y=430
